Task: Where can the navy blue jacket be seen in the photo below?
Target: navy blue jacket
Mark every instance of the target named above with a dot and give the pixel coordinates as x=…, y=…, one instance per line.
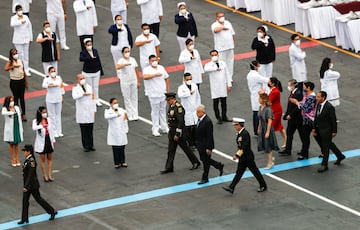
x=186, y=25
x=91, y=65
x=114, y=31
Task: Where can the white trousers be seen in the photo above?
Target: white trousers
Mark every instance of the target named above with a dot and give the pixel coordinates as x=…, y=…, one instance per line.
x=51, y=63
x=58, y=19
x=158, y=113
x=23, y=51
x=93, y=80
x=182, y=40
x=266, y=70
x=228, y=57
x=130, y=93
x=123, y=14
x=116, y=53
x=54, y=114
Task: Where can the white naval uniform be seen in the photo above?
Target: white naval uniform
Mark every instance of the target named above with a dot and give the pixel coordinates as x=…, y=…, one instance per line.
x=193, y=66
x=9, y=124
x=147, y=49
x=54, y=98
x=128, y=86
x=117, y=127
x=55, y=16
x=156, y=89
x=151, y=10
x=219, y=79
x=255, y=83
x=330, y=86
x=86, y=18
x=85, y=105
x=119, y=7
x=40, y=137
x=297, y=63
x=190, y=100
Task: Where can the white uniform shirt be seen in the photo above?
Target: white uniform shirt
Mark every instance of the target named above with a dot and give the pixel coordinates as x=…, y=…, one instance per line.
x=255, y=83
x=150, y=11
x=330, y=86
x=54, y=94
x=54, y=7
x=219, y=79
x=193, y=66
x=190, y=100
x=86, y=19
x=155, y=87
x=25, y=4
x=149, y=48
x=224, y=39
x=22, y=31
x=85, y=104
x=297, y=63
x=9, y=123
x=117, y=127
x=118, y=5
x=127, y=74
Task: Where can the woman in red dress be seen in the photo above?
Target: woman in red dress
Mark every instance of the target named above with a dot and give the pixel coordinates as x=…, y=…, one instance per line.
x=274, y=95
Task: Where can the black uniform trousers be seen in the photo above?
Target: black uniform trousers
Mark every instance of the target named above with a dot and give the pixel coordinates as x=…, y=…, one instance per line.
x=306, y=132
x=155, y=29
x=189, y=134
x=18, y=90
x=223, y=108
x=292, y=126
x=36, y=194
x=87, y=135
x=119, y=154
x=207, y=162
x=251, y=165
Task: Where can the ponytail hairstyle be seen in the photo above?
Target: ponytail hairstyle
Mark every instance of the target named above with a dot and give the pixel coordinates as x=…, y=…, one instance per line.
x=39, y=116
x=253, y=64
x=277, y=83
x=324, y=66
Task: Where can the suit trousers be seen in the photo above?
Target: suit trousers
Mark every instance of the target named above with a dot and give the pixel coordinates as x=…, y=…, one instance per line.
x=292, y=126
x=223, y=108
x=255, y=122
x=119, y=154
x=18, y=90
x=326, y=144
x=172, y=150
x=87, y=135
x=251, y=165
x=207, y=162
x=36, y=194
x=306, y=131
x=189, y=134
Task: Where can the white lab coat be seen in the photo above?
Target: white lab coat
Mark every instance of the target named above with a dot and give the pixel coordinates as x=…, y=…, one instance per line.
x=117, y=127
x=40, y=137
x=255, y=83
x=85, y=104
x=54, y=94
x=190, y=100
x=9, y=124
x=22, y=32
x=219, y=79
x=150, y=11
x=86, y=19
x=297, y=63
x=193, y=66
x=330, y=86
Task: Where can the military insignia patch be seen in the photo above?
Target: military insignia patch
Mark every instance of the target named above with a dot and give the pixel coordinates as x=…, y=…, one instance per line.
x=32, y=164
x=180, y=110
x=172, y=113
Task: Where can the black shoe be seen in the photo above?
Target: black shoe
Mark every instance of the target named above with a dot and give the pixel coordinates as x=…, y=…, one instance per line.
x=52, y=216
x=228, y=189
x=285, y=153
x=262, y=189
x=302, y=158
x=203, y=181
x=323, y=168
x=92, y=149
x=338, y=161
x=321, y=156
x=195, y=166
x=219, y=122
x=23, y=222
x=87, y=150
x=167, y=171
x=221, y=169
x=226, y=119
x=46, y=180
x=299, y=153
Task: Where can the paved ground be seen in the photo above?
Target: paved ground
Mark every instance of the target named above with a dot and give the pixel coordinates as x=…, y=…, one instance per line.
x=84, y=178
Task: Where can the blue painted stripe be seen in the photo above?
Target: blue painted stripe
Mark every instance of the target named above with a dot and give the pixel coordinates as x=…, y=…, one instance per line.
x=171, y=190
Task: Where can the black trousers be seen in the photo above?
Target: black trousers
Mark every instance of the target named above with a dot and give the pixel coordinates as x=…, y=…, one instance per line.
x=82, y=37
x=326, y=144
x=87, y=135
x=306, y=132
x=155, y=29
x=36, y=194
x=292, y=126
x=207, y=162
x=172, y=150
x=189, y=134
x=255, y=122
x=223, y=108
x=18, y=90
x=119, y=154
x=251, y=165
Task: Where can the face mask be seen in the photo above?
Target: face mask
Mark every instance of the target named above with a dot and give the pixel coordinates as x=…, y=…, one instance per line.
x=222, y=19
x=289, y=88
x=298, y=42
x=115, y=106
x=260, y=35
x=154, y=63
x=44, y=115
x=146, y=32
x=82, y=82
x=183, y=11
x=119, y=22
x=16, y=56
x=214, y=58
x=53, y=74
x=88, y=48
x=331, y=66
x=127, y=54
x=188, y=82
x=47, y=29
x=19, y=13
x=191, y=47
x=12, y=103
x=259, y=68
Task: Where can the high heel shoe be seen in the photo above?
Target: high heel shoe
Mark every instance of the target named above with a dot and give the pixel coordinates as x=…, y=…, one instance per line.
x=269, y=166
x=46, y=179
x=51, y=179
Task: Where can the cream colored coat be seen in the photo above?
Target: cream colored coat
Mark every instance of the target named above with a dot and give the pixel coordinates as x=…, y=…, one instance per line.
x=117, y=127
x=9, y=124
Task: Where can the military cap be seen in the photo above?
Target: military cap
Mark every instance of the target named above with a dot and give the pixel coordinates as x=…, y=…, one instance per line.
x=237, y=120
x=170, y=95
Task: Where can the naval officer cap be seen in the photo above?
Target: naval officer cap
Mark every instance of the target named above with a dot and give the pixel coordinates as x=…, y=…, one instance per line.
x=170, y=95
x=237, y=120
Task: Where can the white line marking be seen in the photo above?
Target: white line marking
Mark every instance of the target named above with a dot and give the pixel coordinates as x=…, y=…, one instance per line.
x=5, y=174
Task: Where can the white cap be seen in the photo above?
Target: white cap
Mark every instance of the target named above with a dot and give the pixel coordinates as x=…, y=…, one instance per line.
x=180, y=4
x=265, y=27
x=86, y=40
x=237, y=120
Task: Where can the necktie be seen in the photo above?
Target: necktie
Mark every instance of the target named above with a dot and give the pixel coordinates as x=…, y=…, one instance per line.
x=83, y=87
x=318, y=110
x=198, y=122
x=217, y=63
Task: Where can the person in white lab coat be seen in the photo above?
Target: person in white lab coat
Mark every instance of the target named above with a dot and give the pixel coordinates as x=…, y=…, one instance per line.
x=157, y=83
x=13, y=129
x=191, y=59
x=190, y=99
x=86, y=20
x=54, y=99
x=56, y=15
x=224, y=36
x=152, y=14
x=25, y=5
x=256, y=83
x=22, y=36
x=119, y=7
x=85, y=111
x=148, y=45
x=117, y=131
x=328, y=80
x=297, y=60
x=44, y=141
x=220, y=85
x=129, y=75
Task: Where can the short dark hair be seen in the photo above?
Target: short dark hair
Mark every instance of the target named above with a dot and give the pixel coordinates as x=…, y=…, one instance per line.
x=293, y=36
x=18, y=7
x=323, y=94
x=117, y=16
x=213, y=51
x=309, y=84
x=188, y=41
x=144, y=24
x=152, y=56
x=187, y=74
x=112, y=99
x=262, y=28
x=253, y=64
x=124, y=48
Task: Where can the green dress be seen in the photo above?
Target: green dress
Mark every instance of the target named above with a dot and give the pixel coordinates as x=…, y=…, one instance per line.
x=16, y=131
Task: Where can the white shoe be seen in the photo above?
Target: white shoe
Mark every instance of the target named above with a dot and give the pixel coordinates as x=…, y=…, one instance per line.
x=28, y=74
x=56, y=135
x=156, y=134
x=269, y=166
x=61, y=135
x=65, y=47
x=98, y=103
x=164, y=131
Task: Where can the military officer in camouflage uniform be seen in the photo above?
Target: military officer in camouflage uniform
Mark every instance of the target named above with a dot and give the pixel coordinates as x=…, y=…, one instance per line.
x=176, y=124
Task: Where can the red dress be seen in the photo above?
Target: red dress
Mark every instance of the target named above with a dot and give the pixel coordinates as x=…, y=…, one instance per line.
x=274, y=97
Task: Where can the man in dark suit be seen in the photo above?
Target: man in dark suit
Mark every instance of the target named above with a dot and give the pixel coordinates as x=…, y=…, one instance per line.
x=205, y=143
x=245, y=156
x=325, y=128
x=31, y=186
x=293, y=116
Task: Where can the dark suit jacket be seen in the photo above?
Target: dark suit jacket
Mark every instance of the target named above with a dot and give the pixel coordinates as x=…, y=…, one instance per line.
x=243, y=141
x=292, y=109
x=186, y=25
x=114, y=31
x=29, y=174
x=91, y=65
x=325, y=123
x=204, y=135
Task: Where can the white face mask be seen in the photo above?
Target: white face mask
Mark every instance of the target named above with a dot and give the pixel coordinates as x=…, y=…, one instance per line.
x=154, y=63
x=53, y=74
x=115, y=106
x=297, y=43
x=146, y=32
x=127, y=55
x=12, y=103
x=260, y=35
x=222, y=19
x=331, y=66
x=82, y=82
x=188, y=82
x=289, y=88
x=88, y=48
x=47, y=29
x=183, y=11
x=119, y=22
x=191, y=47
x=16, y=56
x=214, y=58
x=258, y=68
x=44, y=115
x=19, y=13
